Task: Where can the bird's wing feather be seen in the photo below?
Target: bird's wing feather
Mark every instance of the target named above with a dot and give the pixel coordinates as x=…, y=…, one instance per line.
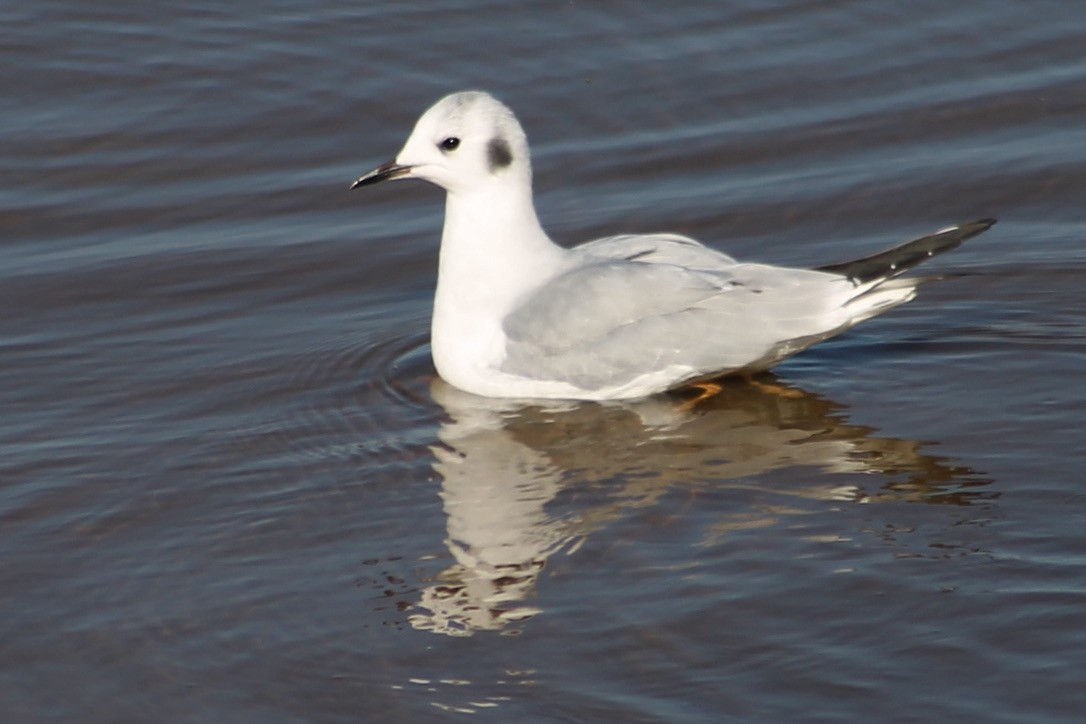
x=895, y=261
x=589, y=302
x=658, y=249
x=609, y=322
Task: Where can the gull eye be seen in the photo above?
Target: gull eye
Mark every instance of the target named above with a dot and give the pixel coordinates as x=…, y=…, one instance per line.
x=449, y=144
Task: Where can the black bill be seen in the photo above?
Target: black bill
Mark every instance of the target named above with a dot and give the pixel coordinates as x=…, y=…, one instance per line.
x=384, y=172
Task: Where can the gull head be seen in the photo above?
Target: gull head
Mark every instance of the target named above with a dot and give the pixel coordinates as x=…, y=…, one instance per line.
x=464, y=142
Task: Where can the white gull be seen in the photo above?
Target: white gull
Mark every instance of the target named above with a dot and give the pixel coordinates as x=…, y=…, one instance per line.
x=516, y=315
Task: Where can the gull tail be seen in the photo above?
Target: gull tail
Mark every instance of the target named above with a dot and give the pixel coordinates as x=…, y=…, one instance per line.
x=890, y=263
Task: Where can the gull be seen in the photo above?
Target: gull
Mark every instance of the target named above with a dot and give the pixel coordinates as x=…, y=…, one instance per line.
x=518, y=316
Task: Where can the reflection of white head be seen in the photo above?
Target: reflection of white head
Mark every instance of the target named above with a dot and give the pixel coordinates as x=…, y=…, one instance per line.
x=494, y=489
x=464, y=602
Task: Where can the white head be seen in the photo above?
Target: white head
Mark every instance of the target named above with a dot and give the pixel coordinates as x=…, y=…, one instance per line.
x=465, y=141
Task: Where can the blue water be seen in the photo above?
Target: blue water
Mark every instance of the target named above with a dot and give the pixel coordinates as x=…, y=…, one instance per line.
x=232, y=488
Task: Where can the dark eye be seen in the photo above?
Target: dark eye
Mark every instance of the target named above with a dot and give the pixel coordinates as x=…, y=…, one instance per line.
x=450, y=144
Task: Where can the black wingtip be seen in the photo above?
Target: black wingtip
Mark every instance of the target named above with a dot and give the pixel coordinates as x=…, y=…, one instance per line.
x=901, y=258
x=975, y=227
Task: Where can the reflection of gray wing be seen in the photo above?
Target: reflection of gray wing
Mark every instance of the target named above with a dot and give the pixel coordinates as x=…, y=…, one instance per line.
x=637, y=311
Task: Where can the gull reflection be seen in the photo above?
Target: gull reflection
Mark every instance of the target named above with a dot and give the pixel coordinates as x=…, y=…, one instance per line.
x=501, y=462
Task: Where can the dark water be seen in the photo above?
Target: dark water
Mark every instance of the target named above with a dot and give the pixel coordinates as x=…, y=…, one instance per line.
x=232, y=490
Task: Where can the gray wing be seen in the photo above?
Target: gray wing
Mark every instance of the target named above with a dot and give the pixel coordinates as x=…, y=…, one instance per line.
x=591, y=302
x=659, y=249
x=608, y=321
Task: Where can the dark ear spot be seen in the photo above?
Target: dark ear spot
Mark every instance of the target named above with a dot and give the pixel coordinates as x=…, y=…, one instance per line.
x=498, y=154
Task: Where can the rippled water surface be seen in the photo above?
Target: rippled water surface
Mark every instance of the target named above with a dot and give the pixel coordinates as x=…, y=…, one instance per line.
x=232, y=489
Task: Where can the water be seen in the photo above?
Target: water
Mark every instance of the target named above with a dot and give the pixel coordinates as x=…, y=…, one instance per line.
x=232, y=490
